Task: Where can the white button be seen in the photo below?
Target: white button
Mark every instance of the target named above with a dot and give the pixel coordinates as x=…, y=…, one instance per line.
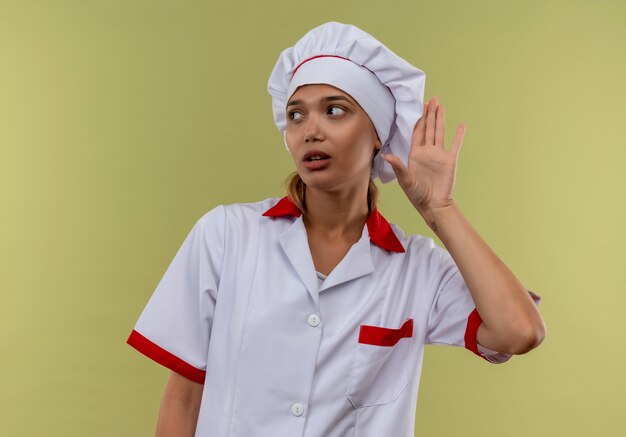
x=314, y=320
x=297, y=409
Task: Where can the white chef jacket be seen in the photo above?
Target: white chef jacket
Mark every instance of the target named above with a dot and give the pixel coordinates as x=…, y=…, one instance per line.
x=283, y=351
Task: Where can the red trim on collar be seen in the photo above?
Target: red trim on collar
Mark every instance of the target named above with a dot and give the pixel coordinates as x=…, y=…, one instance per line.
x=381, y=233
x=378, y=227
x=284, y=207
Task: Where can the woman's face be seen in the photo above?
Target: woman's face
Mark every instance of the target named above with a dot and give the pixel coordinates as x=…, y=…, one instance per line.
x=322, y=118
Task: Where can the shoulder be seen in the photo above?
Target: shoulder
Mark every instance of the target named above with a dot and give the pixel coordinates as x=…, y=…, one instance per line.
x=420, y=248
x=251, y=210
x=236, y=213
x=226, y=222
x=424, y=260
x=412, y=242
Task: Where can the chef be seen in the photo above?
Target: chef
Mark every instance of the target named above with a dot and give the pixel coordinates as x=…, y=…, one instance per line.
x=307, y=314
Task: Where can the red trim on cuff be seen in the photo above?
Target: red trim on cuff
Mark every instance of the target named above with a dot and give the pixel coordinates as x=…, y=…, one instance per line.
x=471, y=331
x=165, y=358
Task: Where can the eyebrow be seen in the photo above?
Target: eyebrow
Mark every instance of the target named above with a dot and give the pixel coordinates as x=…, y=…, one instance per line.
x=325, y=99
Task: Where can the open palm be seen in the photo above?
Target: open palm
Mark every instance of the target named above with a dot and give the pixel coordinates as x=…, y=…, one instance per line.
x=428, y=178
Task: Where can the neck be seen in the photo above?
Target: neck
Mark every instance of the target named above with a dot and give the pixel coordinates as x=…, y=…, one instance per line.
x=336, y=214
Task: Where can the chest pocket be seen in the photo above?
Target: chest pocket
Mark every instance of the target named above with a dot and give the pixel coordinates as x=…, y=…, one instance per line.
x=380, y=367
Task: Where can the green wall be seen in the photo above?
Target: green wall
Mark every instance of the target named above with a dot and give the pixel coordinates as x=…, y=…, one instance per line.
x=122, y=122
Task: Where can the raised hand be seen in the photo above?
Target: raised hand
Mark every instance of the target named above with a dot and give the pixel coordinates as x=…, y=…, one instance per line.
x=428, y=179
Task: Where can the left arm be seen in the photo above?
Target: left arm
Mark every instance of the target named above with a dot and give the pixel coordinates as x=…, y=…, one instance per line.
x=511, y=322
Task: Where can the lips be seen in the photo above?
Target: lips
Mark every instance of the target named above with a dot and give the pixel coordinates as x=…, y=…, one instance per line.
x=313, y=153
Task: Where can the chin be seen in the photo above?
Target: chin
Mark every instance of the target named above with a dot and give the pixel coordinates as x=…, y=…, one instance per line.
x=319, y=184
x=331, y=180
x=329, y=184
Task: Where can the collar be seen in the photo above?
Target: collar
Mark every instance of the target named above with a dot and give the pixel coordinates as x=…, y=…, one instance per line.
x=378, y=227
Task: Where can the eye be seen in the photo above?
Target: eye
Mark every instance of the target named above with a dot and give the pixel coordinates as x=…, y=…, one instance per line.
x=336, y=110
x=294, y=115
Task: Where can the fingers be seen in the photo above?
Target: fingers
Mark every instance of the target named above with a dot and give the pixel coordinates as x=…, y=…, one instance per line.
x=440, y=127
x=458, y=139
x=418, y=131
x=430, y=128
x=430, y=122
x=398, y=167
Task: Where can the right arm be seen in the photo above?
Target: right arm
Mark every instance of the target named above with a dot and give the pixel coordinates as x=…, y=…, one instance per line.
x=180, y=406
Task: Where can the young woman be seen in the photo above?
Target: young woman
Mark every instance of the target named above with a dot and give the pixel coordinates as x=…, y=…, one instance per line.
x=307, y=315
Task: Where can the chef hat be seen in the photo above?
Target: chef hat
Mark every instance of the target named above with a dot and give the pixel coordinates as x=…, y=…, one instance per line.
x=388, y=88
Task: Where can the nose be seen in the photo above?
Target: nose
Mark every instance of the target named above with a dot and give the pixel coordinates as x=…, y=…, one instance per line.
x=312, y=129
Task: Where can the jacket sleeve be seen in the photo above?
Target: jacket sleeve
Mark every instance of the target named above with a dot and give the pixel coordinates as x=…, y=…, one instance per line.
x=175, y=326
x=453, y=318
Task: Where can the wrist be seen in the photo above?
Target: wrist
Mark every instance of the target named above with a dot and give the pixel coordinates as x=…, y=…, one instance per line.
x=436, y=216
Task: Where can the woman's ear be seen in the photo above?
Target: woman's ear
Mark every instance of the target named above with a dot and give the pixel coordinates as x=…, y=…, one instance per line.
x=377, y=144
x=377, y=148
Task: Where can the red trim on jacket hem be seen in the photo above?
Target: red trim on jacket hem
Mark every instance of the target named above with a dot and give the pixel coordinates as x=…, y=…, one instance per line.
x=471, y=332
x=165, y=358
